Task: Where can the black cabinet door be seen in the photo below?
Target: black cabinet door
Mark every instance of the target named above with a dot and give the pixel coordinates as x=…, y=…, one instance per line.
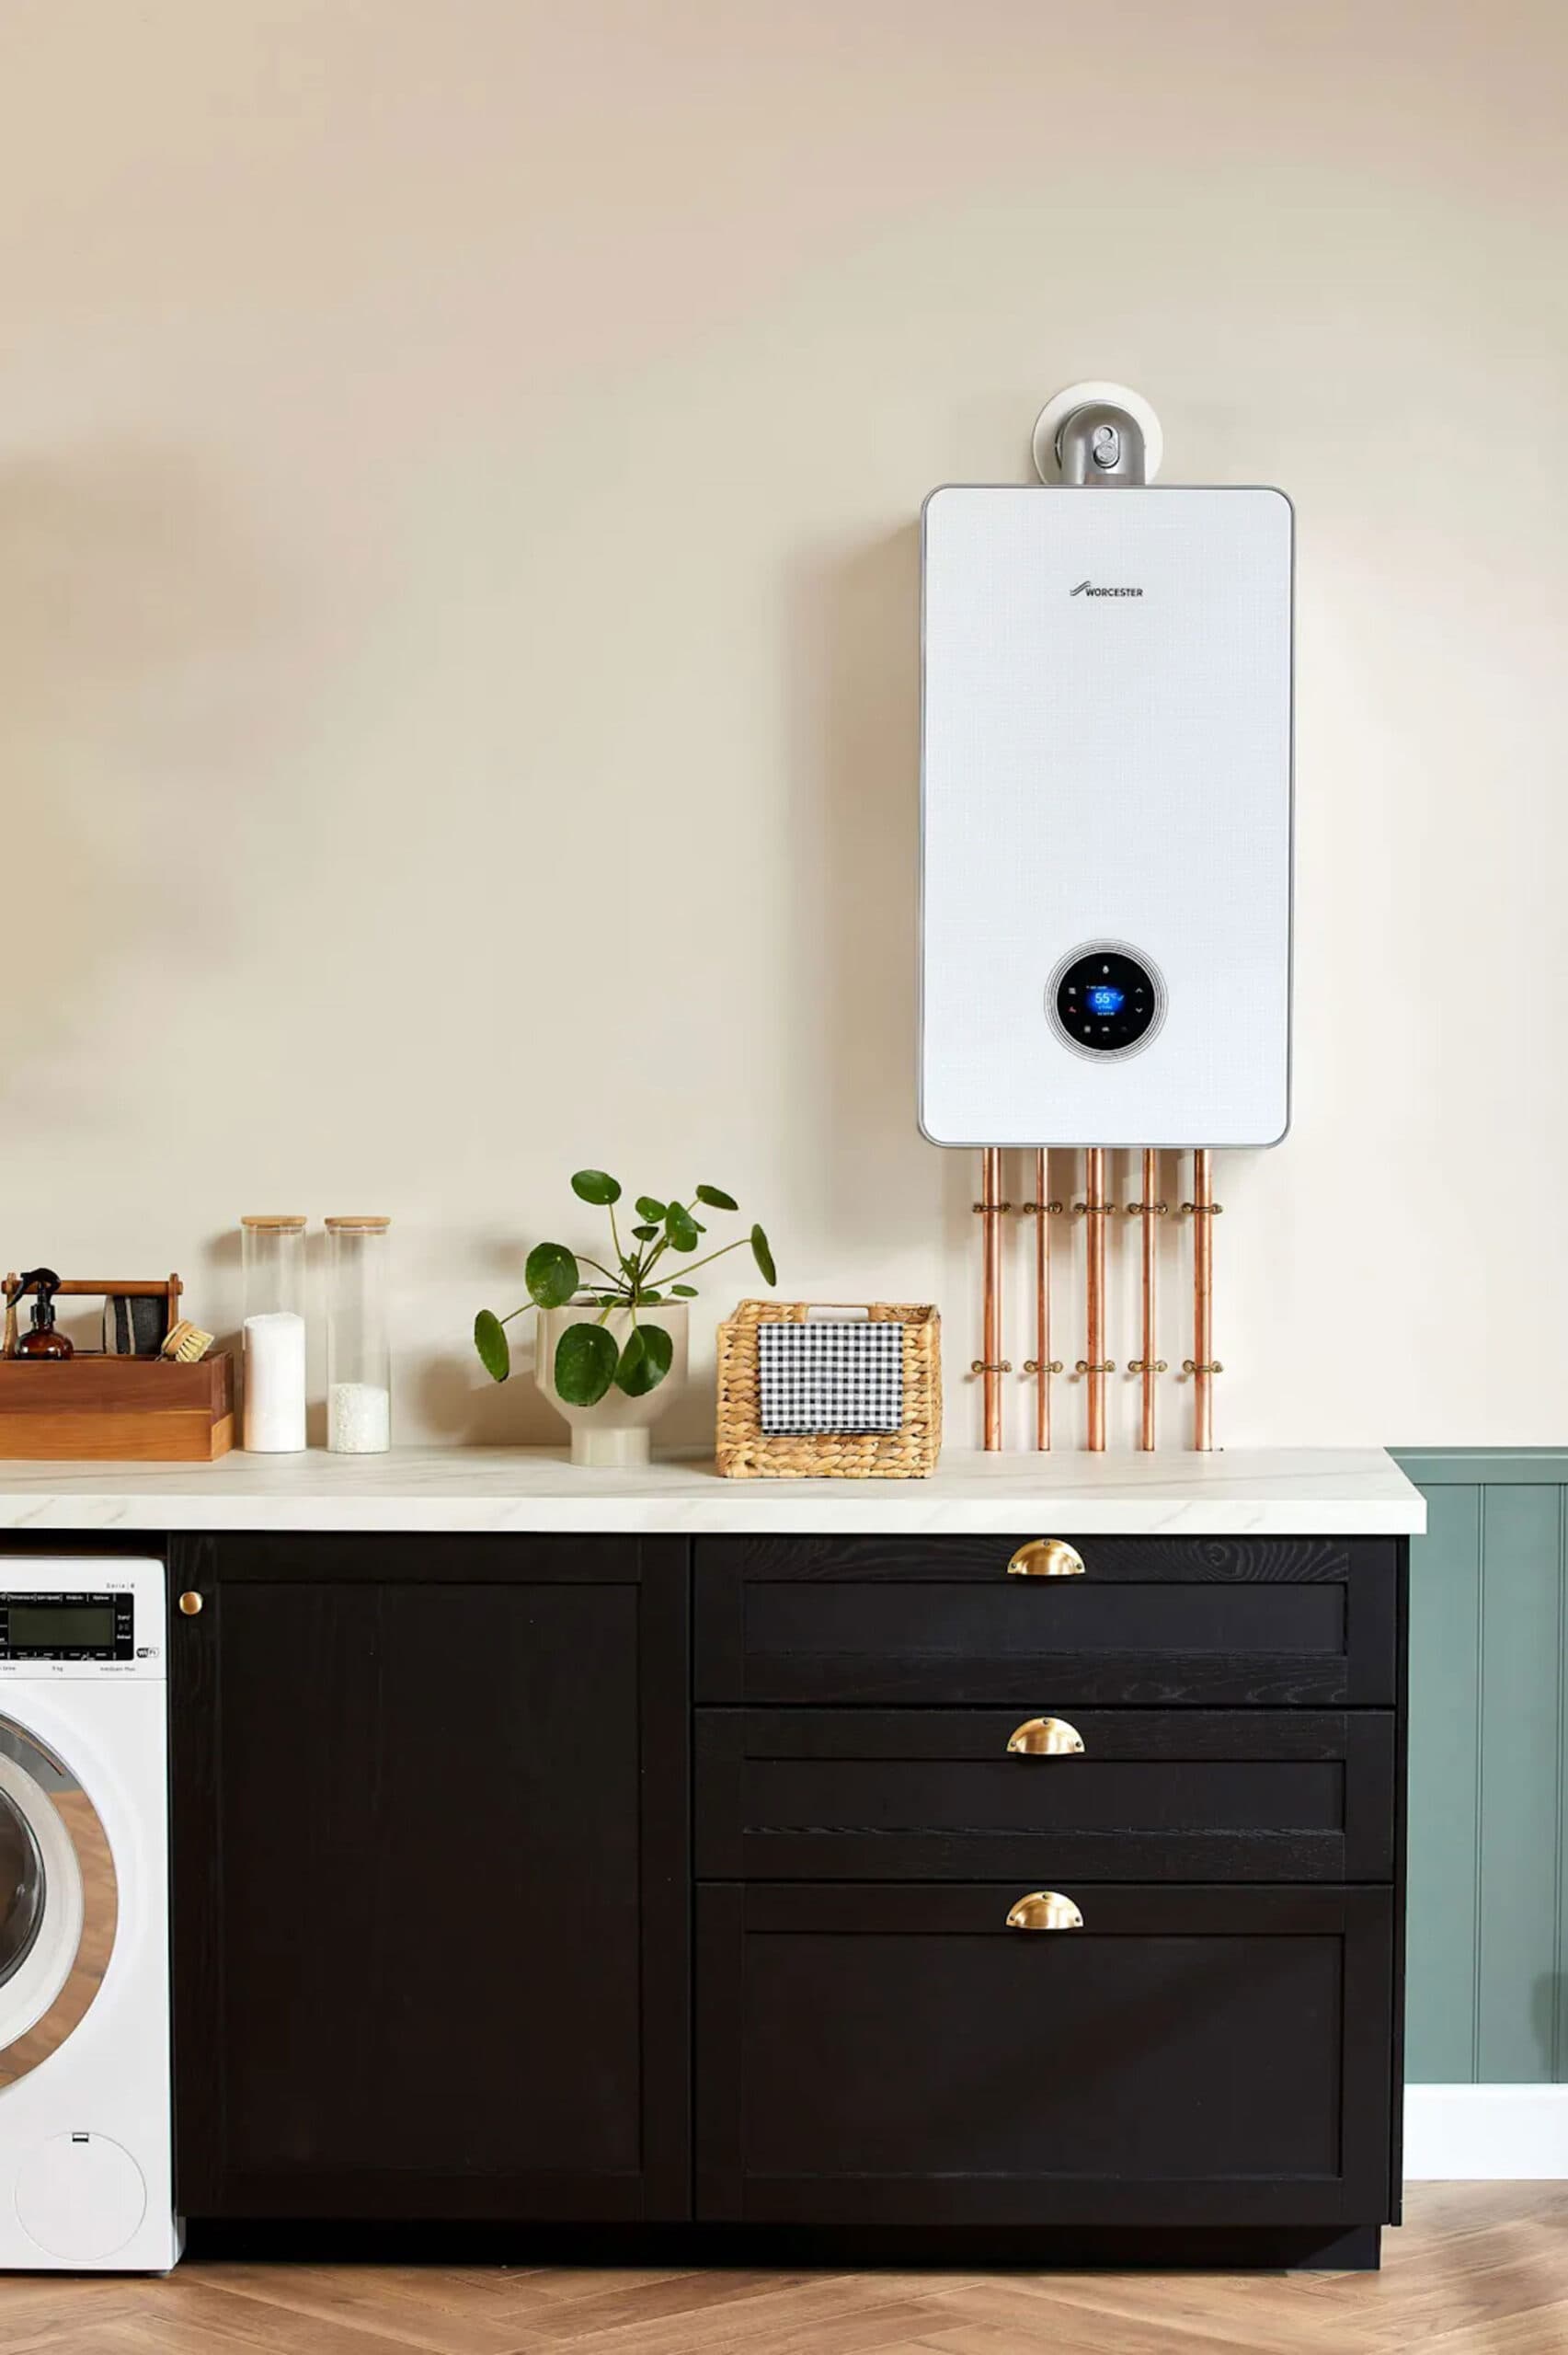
x=430, y=1877
x=898, y=2055
x=1151, y=1623
x=1204, y=1795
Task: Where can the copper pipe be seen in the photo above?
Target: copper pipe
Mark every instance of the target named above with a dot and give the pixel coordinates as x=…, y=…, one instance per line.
x=1148, y=1365
x=1203, y=1367
x=1042, y=1365
x=990, y=1367
x=1094, y=1367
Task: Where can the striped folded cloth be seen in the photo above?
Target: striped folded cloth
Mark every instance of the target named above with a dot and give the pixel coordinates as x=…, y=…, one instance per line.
x=831, y=1375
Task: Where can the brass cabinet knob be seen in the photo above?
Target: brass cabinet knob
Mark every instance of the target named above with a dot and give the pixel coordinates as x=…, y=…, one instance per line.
x=1045, y=1909
x=1045, y=1738
x=1047, y=1558
x=191, y=1603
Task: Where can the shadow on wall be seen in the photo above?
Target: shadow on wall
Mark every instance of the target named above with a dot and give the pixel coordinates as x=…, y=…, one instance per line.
x=128, y=606
x=880, y=1188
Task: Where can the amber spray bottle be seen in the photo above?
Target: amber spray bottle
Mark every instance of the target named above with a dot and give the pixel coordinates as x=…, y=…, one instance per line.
x=41, y=1340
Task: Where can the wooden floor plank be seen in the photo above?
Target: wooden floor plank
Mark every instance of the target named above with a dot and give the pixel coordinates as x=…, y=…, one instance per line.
x=1479, y=2270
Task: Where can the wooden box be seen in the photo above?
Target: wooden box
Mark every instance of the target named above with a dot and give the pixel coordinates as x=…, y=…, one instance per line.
x=108, y=1409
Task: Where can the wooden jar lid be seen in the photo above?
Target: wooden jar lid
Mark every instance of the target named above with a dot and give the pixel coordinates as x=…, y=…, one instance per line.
x=284, y=1224
x=357, y=1226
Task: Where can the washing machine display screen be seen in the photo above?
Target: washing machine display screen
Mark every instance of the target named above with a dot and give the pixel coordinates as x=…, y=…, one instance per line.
x=68, y=1627
x=44, y=1625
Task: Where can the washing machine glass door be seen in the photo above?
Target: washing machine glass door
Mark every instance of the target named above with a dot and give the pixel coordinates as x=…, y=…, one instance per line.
x=59, y=1901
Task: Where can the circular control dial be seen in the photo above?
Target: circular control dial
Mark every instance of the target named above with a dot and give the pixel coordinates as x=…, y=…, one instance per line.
x=1105, y=1000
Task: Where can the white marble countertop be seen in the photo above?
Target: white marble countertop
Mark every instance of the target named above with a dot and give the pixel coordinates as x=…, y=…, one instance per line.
x=1290, y=1492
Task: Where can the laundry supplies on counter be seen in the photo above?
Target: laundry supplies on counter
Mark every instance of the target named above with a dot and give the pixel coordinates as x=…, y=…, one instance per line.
x=274, y=1334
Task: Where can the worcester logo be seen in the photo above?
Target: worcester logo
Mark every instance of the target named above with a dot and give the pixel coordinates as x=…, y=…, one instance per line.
x=1092, y=589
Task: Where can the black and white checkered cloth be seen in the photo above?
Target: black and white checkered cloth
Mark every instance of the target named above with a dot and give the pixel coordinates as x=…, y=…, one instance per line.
x=830, y=1377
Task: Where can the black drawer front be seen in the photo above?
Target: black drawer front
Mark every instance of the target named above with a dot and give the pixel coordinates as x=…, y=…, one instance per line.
x=936, y=1794
x=899, y=2055
x=1152, y=1622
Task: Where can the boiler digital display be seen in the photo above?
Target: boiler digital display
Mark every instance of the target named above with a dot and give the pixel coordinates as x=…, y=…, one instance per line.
x=1104, y=1000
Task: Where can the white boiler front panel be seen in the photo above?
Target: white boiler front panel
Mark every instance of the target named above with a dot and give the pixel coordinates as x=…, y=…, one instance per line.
x=1114, y=769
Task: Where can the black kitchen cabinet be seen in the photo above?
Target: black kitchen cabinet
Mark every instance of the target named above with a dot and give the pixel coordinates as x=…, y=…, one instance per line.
x=430, y=1877
x=901, y=2055
x=447, y=1809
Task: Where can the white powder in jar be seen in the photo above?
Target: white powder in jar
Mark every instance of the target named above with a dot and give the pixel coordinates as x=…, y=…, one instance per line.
x=358, y=1419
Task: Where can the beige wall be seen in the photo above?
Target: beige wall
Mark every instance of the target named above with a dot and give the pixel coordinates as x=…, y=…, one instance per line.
x=459, y=463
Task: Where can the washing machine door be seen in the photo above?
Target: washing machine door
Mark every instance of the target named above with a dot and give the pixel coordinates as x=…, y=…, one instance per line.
x=59, y=1901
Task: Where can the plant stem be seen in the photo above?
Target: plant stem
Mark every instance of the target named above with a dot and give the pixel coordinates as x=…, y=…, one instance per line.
x=693, y=1265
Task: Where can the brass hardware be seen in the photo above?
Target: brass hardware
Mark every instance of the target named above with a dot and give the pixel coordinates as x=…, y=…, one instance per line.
x=990, y=1209
x=1032, y=1210
x=1045, y=1909
x=191, y=1603
x=1203, y=1210
x=1141, y=1365
x=1045, y=1738
x=998, y=1365
x=1031, y=1365
x=1094, y=1210
x=1149, y=1210
x=1106, y=1365
x=1190, y=1365
x=1047, y=1558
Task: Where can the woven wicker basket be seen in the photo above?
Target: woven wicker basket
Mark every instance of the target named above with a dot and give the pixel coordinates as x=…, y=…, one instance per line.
x=745, y=1453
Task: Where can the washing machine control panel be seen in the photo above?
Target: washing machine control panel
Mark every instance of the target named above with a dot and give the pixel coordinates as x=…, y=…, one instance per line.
x=67, y=1623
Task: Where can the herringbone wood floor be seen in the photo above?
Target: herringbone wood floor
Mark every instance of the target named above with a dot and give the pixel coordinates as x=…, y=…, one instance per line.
x=1477, y=2269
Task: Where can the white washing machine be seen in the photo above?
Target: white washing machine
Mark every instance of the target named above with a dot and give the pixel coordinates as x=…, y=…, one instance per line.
x=85, y=2127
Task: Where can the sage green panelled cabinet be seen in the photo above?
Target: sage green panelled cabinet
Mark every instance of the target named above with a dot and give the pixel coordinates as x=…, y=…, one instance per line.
x=1487, y=1995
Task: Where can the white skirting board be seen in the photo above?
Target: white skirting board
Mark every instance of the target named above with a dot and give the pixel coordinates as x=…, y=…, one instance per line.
x=1474, y=2133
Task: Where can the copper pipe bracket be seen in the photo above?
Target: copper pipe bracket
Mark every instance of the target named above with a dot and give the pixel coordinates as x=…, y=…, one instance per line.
x=992, y=1365
x=990, y=1209
x=1191, y=1365
x=1033, y=1210
x=1147, y=1365
x=1150, y=1209
x=1203, y=1210
x=1031, y=1365
x=1094, y=1210
x=1108, y=1365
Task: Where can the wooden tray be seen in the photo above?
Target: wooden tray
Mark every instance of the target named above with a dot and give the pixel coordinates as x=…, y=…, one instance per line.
x=124, y=1410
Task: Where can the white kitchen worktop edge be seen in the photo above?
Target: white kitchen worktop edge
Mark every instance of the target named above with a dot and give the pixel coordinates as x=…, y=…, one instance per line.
x=1286, y=1492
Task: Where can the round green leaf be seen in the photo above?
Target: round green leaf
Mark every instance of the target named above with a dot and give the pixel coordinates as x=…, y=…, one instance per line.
x=490, y=1340
x=763, y=1257
x=717, y=1199
x=551, y=1275
x=680, y=1228
x=644, y=1360
x=649, y=1299
x=648, y=1208
x=595, y=1186
x=646, y=1233
x=683, y=1291
x=585, y=1364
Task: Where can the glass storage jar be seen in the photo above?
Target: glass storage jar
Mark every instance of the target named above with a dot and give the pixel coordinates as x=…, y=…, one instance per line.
x=274, y=1334
x=358, y=1351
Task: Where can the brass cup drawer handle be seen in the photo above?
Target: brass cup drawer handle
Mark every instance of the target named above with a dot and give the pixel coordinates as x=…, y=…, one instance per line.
x=1047, y=1558
x=1045, y=1909
x=1044, y=1738
x=191, y=1603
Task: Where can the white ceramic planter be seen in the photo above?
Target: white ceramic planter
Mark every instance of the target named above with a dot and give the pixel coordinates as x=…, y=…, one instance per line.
x=617, y=1430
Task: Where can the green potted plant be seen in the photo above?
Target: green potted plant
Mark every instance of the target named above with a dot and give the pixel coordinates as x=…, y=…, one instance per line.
x=611, y=1352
